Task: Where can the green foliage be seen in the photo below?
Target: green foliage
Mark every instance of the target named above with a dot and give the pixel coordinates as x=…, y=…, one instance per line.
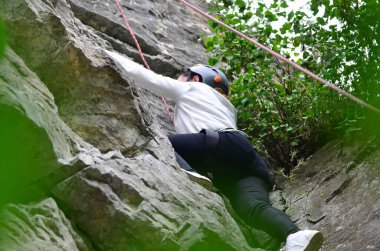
x=354, y=45
x=286, y=113
x=26, y=155
x=2, y=38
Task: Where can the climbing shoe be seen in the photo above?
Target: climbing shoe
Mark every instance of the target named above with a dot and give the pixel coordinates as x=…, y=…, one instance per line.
x=304, y=240
x=200, y=179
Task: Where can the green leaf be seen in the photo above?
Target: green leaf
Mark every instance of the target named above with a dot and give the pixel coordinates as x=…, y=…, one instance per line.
x=259, y=12
x=290, y=15
x=281, y=14
x=294, y=143
x=248, y=15
x=262, y=5
x=278, y=38
x=273, y=6
x=268, y=30
x=284, y=4
x=230, y=16
x=287, y=26
x=321, y=21
x=289, y=129
x=270, y=16
x=241, y=4
x=212, y=61
x=296, y=41
x=209, y=42
x=213, y=24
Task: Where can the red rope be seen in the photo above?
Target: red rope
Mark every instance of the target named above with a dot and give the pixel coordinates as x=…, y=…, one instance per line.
x=279, y=56
x=126, y=23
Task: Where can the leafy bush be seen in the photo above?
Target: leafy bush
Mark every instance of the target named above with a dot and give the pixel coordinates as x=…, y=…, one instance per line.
x=286, y=113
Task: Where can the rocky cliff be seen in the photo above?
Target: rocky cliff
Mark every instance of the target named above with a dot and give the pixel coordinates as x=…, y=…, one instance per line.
x=337, y=192
x=85, y=162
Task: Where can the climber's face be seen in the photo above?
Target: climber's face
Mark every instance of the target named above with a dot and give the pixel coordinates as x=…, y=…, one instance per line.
x=185, y=74
x=182, y=78
x=185, y=78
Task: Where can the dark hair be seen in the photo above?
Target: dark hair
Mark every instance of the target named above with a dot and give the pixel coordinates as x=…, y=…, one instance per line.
x=185, y=71
x=189, y=74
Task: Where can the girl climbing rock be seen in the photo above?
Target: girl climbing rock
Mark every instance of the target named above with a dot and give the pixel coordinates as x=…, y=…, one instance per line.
x=209, y=142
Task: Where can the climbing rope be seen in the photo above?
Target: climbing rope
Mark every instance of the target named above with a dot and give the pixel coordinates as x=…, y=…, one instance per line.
x=126, y=23
x=284, y=59
x=266, y=49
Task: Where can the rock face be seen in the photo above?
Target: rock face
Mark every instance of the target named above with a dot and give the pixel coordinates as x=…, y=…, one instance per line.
x=92, y=140
x=337, y=192
x=85, y=162
x=51, y=229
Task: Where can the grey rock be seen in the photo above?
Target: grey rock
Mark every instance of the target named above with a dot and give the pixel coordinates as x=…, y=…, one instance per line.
x=93, y=116
x=337, y=192
x=168, y=32
x=38, y=226
x=98, y=144
x=142, y=203
x=34, y=138
x=95, y=101
x=23, y=90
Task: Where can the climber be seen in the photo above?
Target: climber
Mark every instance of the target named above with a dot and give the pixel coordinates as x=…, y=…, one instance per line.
x=209, y=142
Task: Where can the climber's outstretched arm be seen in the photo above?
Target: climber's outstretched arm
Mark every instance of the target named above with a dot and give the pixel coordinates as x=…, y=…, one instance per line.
x=158, y=84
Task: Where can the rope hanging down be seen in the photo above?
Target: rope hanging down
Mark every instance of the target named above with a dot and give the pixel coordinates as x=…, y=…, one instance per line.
x=284, y=59
x=126, y=23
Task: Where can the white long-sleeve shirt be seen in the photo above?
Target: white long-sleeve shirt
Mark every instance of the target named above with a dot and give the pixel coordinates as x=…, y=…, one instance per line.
x=198, y=106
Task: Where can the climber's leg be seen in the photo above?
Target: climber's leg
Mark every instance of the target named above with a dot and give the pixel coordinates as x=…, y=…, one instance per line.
x=182, y=163
x=249, y=196
x=190, y=148
x=193, y=175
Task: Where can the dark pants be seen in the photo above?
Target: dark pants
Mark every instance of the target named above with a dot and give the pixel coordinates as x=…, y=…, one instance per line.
x=241, y=174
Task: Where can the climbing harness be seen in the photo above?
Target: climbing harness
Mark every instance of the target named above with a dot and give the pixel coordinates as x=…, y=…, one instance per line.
x=211, y=143
x=212, y=139
x=284, y=59
x=233, y=130
x=126, y=23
